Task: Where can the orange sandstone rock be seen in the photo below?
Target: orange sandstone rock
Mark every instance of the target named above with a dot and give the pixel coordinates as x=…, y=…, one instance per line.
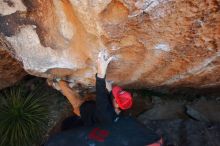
x=157, y=43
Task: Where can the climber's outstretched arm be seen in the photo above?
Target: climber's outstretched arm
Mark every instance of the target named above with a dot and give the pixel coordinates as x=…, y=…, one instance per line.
x=72, y=96
x=104, y=108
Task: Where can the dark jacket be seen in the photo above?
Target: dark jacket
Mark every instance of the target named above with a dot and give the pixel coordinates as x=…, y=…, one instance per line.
x=104, y=127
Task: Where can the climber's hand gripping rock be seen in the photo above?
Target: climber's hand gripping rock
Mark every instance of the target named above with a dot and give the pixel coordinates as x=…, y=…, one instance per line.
x=103, y=62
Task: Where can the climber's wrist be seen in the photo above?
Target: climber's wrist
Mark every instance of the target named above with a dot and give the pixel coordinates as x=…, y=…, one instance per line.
x=101, y=75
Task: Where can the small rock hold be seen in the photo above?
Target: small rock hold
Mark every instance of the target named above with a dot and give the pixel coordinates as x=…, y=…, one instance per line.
x=195, y=114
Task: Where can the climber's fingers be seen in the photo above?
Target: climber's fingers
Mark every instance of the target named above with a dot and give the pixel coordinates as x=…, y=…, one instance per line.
x=103, y=55
x=57, y=83
x=53, y=83
x=110, y=59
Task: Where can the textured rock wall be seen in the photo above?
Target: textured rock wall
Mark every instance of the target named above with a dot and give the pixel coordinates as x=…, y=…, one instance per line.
x=156, y=42
x=11, y=70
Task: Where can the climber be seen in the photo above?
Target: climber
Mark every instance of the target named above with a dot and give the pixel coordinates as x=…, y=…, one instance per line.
x=102, y=122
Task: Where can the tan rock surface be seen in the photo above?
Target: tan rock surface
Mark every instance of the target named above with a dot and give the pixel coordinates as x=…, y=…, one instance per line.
x=156, y=42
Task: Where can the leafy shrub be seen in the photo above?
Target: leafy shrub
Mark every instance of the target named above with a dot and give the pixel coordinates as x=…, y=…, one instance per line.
x=23, y=116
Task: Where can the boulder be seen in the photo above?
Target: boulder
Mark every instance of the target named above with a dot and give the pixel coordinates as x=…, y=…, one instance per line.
x=156, y=43
x=11, y=70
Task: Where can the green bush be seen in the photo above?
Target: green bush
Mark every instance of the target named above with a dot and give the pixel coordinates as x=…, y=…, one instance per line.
x=23, y=116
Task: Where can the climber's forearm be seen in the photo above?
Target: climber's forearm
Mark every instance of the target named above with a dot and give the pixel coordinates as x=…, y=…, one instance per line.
x=71, y=95
x=74, y=100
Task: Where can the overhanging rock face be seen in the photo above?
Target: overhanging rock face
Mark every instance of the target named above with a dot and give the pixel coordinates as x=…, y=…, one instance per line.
x=156, y=42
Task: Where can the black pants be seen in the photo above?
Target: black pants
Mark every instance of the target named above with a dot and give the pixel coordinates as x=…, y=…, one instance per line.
x=87, y=112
